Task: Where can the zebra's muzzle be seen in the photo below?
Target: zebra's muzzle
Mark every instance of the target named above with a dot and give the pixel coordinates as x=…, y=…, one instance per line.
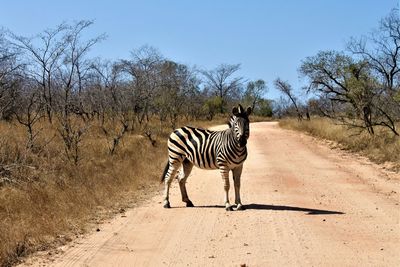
x=242, y=141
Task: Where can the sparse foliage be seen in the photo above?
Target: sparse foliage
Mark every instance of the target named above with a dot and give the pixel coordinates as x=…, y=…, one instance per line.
x=221, y=83
x=286, y=89
x=42, y=56
x=9, y=77
x=29, y=112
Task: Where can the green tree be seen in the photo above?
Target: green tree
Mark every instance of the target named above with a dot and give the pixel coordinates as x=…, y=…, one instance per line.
x=351, y=88
x=212, y=106
x=264, y=108
x=254, y=93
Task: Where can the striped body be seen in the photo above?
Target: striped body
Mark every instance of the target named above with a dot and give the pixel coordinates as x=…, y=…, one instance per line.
x=223, y=150
x=205, y=149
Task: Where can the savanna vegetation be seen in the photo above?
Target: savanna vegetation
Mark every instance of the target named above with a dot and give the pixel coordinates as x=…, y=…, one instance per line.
x=355, y=91
x=382, y=147
x=81, y=135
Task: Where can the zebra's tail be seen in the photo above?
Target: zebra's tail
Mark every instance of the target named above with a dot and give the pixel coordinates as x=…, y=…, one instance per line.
x=165, y=172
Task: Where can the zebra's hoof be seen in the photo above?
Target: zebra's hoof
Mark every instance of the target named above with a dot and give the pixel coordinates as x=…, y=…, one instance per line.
x=229, y=208
x=239, y=207
x=189, y=204
x=167, y=205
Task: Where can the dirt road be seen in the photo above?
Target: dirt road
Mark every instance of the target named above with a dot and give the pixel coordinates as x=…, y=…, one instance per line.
x=306, y=205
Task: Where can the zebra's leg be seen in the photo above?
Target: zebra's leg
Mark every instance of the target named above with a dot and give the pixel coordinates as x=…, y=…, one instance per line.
x=225, y=177
x=187, y=168
x=237, y=172
x=171, y=173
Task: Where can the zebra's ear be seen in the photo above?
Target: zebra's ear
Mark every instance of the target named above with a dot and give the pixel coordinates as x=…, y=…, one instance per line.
x=235, y=111
x=248, y=111
x=240, y=109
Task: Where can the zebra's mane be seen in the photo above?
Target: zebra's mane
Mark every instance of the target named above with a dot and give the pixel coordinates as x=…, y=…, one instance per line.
x=231, y=120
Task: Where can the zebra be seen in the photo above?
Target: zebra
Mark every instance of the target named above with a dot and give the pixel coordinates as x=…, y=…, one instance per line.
x=224, y=150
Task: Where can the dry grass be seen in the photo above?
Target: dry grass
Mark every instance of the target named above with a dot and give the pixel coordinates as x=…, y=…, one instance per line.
x=380, y=148
x=46, y=198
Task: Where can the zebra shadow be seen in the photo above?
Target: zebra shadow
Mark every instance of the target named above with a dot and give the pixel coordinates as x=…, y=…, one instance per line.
x=254, y=206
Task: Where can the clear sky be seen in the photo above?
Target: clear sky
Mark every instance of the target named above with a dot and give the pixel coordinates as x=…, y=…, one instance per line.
x=269, y=38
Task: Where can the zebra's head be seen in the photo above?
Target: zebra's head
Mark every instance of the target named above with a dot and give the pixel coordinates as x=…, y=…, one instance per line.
x=239, y=123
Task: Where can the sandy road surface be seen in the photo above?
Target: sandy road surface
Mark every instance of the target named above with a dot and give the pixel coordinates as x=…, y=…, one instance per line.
x=306, y=206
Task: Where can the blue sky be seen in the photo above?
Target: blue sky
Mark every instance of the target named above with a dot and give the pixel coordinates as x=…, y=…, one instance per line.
x=269, y=38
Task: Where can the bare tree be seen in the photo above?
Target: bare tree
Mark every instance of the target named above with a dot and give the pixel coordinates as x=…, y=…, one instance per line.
x=286, y=89
x=9, y=77
x=29, y=111
x=222, y=83
x=381, y=51
x=144, y=72
x=70, y=77
x=177, y=82
x=281, y=107
x=113, y=101
x=43, y=55
x=100, y=92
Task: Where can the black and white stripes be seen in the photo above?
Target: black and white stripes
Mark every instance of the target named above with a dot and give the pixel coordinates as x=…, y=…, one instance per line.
x=223, y=150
